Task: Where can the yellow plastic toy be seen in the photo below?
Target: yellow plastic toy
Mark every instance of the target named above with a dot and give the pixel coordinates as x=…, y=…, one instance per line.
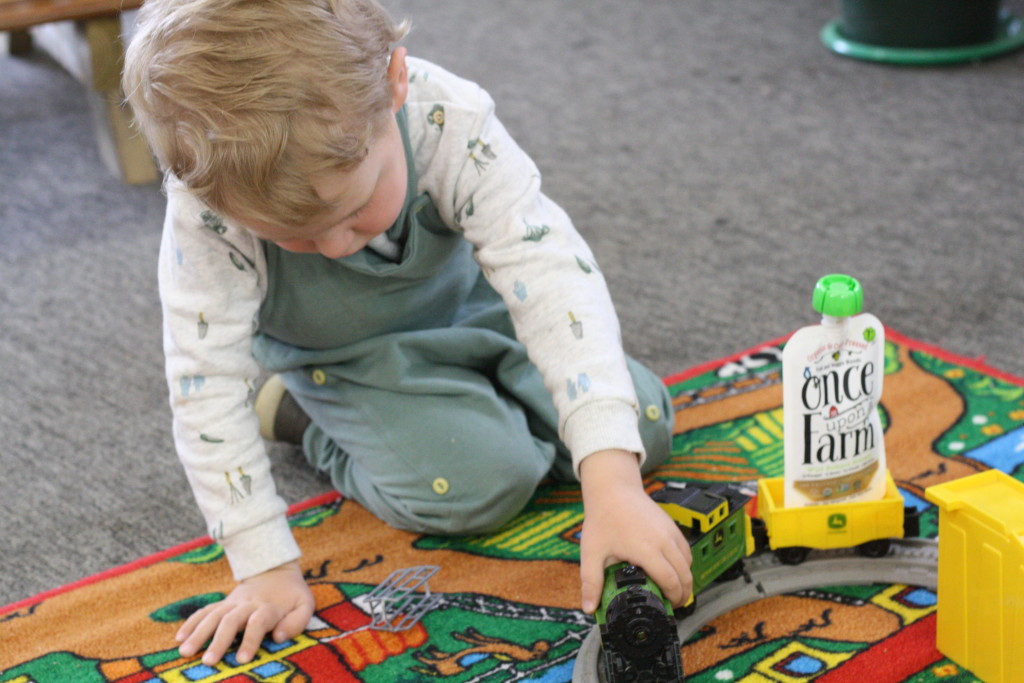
x=865, y=524
x=981, y=574
x=694, y=508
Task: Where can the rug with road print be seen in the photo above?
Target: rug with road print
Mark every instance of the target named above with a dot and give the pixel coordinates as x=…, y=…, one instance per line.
x=504, y=607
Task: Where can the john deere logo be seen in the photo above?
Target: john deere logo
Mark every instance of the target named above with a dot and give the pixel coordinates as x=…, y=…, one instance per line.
x=718, y=538
x=837, y=521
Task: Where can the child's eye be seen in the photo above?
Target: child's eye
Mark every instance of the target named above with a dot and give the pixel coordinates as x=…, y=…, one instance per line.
x=362, y=209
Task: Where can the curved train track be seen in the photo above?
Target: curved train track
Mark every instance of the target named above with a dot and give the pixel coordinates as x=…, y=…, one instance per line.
x=912, y=561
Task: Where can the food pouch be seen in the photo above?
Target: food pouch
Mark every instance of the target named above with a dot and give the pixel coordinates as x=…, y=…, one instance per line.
x=831, y=385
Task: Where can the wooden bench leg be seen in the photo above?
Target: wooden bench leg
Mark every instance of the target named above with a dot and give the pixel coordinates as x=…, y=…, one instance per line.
x=19, y=42
x=123, y=148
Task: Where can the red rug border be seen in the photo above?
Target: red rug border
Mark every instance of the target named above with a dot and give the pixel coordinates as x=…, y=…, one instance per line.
x=864, y=664
x=978, y=364
x=143, y=562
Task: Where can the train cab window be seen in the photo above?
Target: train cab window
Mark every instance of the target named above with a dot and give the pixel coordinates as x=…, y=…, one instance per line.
x=720, y=513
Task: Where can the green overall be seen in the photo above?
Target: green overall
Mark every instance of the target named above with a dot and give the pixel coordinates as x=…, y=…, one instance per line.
x=424, y=406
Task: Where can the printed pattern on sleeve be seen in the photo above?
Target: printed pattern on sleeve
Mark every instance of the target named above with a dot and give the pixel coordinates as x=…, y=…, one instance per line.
x=212, y=280
x=531, y=253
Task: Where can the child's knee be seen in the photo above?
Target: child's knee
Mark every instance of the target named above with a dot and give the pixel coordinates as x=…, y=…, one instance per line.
x=494, y=500
x=496, y=482
x=463, y=498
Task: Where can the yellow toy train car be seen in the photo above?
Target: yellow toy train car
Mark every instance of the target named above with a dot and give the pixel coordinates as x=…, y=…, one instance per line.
x=981, y=574
x=866, y=525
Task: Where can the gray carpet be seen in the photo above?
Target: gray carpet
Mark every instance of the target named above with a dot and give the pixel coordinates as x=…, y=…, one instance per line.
x=716, y=156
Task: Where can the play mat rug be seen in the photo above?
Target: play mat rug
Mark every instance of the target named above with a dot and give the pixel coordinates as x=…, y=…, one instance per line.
x=506, y=605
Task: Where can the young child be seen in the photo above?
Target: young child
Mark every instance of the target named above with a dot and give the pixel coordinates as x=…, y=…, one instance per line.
x=359, y=222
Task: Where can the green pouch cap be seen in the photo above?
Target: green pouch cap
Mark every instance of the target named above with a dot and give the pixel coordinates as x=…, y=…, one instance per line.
x=838, y=295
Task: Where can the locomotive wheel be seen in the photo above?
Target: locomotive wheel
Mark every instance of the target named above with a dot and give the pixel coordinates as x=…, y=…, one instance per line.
x=792, y=555
x=733, y=572
x=876, y=548
x=759, y=531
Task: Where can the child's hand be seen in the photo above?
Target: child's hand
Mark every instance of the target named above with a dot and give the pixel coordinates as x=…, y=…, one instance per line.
x=277, y=600
x=623, y=524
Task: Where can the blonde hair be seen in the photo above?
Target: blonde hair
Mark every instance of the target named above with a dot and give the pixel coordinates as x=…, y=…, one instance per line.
x=244, y=100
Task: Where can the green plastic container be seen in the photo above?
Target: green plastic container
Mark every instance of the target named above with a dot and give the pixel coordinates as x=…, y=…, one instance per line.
x=920, y=23
x=899, y=26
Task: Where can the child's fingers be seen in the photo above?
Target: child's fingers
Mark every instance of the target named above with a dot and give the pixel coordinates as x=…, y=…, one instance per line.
x=199, y=628
x=258, y=625
x=677, y=555
x=681, y=558
x=193, y=621
x=228, y=628
x=661, y=572
x=591, y=581
x=672, y=574
x=590, y=593
x=294, y=622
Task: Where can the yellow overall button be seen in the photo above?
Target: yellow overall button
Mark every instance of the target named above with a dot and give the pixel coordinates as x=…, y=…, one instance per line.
x=653, y=413
x=319, y=377
x=440, y=486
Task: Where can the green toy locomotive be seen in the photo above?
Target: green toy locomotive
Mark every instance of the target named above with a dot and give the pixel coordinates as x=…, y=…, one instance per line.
x=639, y=639
x=638, y=632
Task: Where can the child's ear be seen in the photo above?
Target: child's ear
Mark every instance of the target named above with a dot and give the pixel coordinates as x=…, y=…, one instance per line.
x=398, y=78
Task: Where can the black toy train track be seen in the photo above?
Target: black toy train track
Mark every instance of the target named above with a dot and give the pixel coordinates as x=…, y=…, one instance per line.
x=912, y=561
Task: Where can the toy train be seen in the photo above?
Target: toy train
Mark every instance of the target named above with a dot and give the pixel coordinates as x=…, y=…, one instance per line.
x=639, y=640
x=715, y=520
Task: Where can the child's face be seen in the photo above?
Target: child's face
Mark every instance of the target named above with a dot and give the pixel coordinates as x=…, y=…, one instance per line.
x=363, y=202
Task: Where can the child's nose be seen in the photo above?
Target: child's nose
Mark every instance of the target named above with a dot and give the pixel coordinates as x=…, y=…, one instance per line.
x=335, y=245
